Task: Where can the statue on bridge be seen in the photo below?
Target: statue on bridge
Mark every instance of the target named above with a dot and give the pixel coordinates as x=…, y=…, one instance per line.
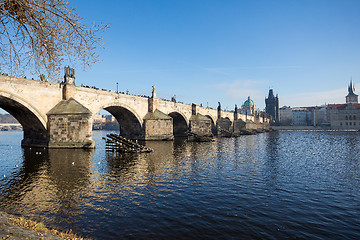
x=219, y=110
x=153, y=92
x=69, y=77
x=69, y=72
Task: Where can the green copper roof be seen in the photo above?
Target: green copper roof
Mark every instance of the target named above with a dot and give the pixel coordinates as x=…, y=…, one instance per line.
x=249, y=102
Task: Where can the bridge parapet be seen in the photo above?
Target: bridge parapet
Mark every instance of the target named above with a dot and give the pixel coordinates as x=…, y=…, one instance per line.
x=140, y=117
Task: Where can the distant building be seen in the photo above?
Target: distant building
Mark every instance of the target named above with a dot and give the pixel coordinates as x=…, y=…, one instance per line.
x=272, y=107
x=304, y=116
x=105, y=122
x=301, y=116
x=249, y=107
x=351, y=97
x=345, y=116
x=286, y=118
x=318, y=116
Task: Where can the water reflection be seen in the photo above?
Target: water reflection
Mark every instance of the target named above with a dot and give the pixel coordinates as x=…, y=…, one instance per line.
x=276, y=185
x=271, y=170
x=49, y=180
x=24, y=179
x=69, y=175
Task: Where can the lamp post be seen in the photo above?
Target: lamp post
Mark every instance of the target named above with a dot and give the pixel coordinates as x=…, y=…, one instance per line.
x=117, y=87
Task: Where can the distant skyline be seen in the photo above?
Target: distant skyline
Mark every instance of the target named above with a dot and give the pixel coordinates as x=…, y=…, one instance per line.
x=210, y=51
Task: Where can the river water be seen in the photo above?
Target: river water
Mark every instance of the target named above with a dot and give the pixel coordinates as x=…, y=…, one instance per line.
x=276, y=185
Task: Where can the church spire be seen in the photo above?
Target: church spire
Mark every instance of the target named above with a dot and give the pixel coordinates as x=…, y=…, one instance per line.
x=351, y=97
x=351, y=88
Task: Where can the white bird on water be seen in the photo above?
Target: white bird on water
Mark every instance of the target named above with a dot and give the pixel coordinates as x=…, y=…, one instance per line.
x=73, y=163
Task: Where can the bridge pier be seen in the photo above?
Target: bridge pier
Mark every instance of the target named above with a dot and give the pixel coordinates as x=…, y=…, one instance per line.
x=70, y=125
x=34, y=138
x=199, y=125
x=60, y=115
x=224, y=127
x=158, y=126
x=238, y=127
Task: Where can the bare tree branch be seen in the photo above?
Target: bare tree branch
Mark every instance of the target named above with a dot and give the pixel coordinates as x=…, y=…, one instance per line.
x=38, y=36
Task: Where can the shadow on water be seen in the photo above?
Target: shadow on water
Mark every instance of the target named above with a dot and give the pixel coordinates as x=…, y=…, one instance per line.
x=48, y=181
x=23, y=179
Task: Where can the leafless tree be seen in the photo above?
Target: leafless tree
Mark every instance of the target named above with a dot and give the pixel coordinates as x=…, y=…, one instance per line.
x=38, y=36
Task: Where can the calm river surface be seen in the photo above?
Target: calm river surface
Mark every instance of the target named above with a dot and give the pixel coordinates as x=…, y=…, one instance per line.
x=276, y=185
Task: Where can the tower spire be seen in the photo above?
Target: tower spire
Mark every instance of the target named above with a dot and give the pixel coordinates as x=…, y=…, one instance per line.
x=351, y=97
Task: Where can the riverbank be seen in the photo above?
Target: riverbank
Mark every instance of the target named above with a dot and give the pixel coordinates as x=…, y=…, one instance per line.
x=300, y=128
x=10, y=127
x=18, y=228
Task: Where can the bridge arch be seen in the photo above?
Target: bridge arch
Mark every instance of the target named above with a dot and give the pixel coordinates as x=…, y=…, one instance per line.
x=213, y=125
x=129, y=121
x=33, y=122
x=180, y=124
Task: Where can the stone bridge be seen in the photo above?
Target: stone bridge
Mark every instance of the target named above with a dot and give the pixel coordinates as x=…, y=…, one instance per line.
x=59, y=115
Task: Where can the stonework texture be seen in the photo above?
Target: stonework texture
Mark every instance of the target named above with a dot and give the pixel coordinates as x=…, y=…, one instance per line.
x=70, y=131
x=238, y=126
x=161, y=129
x=200, y=125
x=224, y=127
x=36, y=106
x=158, y=126
x=70, y=125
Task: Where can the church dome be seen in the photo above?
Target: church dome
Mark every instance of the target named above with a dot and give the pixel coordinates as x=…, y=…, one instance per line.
x=249, y=102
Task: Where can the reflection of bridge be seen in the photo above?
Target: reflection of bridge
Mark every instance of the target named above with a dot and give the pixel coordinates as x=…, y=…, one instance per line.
x=60, y=114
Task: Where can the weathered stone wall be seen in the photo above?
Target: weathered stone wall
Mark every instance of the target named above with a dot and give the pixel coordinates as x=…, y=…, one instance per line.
x=38, y=97
x=70, y=125
x=161, y=129
x=25, y=97
x=70, y=131
x=257, y=126
x=200, y=125
x=158, y=126
x=238, y=127
x=224, y=127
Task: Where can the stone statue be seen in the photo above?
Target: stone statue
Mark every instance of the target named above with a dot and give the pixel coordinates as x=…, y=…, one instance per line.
x=219, y=110
x=69, y=72
x=69, y=76
x=153, y=92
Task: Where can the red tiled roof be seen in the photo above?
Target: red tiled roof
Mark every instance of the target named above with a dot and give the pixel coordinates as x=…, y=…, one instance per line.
x=343, y=106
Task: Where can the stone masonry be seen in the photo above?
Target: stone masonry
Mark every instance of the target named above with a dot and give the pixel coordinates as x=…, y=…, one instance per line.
x=69, y=125
x=60, y=114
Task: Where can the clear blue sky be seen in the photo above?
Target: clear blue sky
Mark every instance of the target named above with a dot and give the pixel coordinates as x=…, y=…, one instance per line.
x=205, y=51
